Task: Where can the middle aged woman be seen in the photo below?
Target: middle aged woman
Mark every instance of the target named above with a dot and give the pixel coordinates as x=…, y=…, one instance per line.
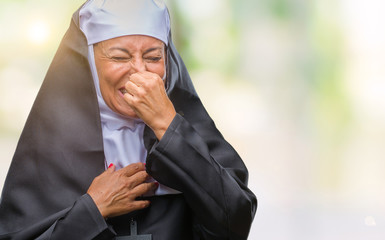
x=118, y=143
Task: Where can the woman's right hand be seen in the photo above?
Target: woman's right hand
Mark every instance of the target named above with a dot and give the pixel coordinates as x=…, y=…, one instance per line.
x=114, y=192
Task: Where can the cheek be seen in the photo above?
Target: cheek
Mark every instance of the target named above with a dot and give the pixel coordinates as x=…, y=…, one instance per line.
x=157, y=68
x=111, y=75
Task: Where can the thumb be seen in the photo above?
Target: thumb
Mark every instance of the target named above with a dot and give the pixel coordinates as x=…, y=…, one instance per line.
x=111, y=168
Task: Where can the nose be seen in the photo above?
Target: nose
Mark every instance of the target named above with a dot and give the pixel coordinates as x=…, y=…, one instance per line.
x=137, y=65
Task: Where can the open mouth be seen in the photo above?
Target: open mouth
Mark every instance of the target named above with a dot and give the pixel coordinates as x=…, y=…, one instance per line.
x=123, y=91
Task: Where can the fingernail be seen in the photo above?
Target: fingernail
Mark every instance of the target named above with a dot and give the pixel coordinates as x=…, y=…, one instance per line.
x=156, y=184
x=111, y=165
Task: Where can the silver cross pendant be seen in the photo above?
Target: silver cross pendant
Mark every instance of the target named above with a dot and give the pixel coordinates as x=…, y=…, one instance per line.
x=134, y=233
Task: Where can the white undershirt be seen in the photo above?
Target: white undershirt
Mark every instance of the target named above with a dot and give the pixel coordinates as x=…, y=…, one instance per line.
x=122, y=136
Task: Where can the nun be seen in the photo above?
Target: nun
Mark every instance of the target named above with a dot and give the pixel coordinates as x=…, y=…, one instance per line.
x=118, y=144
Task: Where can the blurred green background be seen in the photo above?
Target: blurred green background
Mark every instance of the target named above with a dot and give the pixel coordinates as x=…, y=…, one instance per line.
x=297, y=87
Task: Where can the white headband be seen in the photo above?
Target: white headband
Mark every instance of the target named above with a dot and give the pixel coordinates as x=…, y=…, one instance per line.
x=105, y=19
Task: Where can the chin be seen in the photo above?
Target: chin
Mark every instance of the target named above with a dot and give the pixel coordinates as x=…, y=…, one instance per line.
x=128, y=112
x=121, y=107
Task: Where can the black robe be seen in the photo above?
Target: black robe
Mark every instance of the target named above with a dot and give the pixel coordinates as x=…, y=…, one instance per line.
x=60, y=152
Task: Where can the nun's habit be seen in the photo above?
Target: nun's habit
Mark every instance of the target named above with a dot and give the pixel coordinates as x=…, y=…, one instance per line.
x=61, y=151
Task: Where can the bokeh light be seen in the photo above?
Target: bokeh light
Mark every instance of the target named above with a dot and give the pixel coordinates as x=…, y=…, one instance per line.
x=297, y=87
x=38, y=32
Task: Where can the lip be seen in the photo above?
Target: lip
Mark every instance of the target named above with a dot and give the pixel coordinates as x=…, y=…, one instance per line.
x=122, y=91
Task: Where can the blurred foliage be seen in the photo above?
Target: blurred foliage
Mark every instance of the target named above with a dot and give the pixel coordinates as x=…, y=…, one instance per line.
x=181, y=33
x=290, y=80
x=281, y=9
x=332, y=116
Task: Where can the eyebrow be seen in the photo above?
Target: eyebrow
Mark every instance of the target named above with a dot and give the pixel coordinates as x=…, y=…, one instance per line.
x=118, y=48
x=126, y=51
x=152, y=49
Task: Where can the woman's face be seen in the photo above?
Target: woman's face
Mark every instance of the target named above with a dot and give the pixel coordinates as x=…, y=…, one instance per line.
x=118, y=58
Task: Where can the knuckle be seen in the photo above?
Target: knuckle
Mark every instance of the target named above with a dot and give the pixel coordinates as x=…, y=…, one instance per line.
x=140, y=177
x=128, y=184
x=136, y=100
x=154, y=81
x=144, y=174
x=143, y=205
x=147, y=187
x=134, y=76
x=138, y=165
x=119, y=175
x=125, y=184
x=141, y=93
x=135, y=166
x=145, y=84
x=158, y=80
x=130, y=205
x=128, y=195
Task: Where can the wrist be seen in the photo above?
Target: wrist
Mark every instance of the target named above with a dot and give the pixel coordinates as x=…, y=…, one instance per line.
x=163, y=125
x=99, y=206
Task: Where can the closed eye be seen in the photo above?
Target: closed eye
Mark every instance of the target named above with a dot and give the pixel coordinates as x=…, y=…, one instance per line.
x=154, y=59
x=119, y=58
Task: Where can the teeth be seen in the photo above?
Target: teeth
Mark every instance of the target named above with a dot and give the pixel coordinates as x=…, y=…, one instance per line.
x=123, y=91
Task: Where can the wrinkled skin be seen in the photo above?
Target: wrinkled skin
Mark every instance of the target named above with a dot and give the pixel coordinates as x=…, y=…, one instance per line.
x=130, y=70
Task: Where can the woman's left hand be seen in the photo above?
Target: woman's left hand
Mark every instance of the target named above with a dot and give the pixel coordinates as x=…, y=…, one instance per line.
x=147, y=96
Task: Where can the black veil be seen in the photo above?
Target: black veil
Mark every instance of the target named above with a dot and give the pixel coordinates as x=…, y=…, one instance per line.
x=60, y=151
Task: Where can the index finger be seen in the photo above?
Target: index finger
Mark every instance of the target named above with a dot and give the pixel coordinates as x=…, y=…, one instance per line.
x=132, y=169
x=141, y=78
